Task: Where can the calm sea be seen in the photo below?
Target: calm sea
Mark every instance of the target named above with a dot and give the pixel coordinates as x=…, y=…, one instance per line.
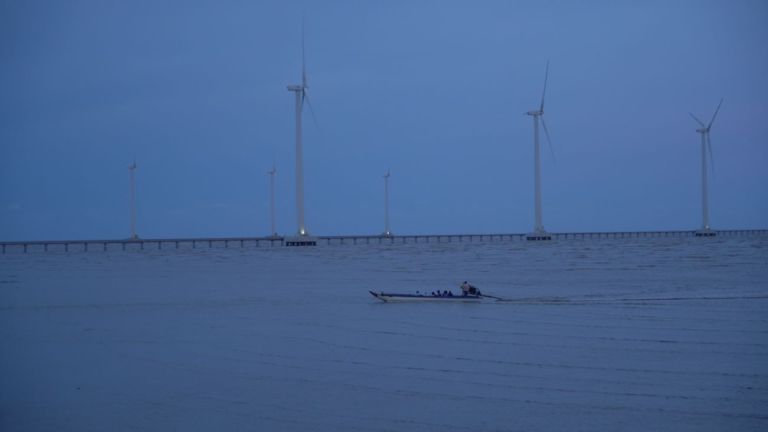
x=643, y=334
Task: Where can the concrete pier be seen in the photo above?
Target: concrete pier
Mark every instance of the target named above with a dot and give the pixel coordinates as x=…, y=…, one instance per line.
x=272, y=241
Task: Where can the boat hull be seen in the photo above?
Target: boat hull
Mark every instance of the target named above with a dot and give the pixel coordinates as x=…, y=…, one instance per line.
x=393, y=298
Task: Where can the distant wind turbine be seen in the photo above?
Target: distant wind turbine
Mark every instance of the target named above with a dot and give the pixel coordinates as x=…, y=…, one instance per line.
x=538, y=229
x=706, y=147
x=272, y=173
x=132, y=176
x=387, y=232
x=300, y=90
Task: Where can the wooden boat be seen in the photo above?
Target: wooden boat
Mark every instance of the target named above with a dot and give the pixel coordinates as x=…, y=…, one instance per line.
x=391, y=297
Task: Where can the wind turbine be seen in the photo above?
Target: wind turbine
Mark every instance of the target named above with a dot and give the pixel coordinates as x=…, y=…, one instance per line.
x=706, y=147
x=300, y=91
x=538, y=229
x=132, y=176
x=272, y=173
x=387, y=232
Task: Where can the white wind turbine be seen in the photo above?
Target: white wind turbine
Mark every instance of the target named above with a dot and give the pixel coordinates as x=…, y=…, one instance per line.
x=706, y=147
x=132, y=202
x=538, y=229
x=272, y=172
x=300, y=91
x=387, y=232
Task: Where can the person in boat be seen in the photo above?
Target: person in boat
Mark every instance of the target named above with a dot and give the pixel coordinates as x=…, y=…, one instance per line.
x=465, y=287
x=469, y=289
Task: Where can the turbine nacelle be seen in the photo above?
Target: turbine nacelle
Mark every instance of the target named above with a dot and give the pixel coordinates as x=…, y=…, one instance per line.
x=535, y=113
x=295, y=87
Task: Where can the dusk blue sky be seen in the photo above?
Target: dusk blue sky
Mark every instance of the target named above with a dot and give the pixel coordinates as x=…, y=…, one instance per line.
x=435, y=91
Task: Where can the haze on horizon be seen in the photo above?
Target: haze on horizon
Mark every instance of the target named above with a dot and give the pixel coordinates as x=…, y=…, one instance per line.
x=434, y=91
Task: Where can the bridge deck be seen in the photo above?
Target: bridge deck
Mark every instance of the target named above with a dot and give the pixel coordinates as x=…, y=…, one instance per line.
x=175, y=243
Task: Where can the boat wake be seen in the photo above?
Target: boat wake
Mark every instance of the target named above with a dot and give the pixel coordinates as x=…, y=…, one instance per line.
x=576, y=301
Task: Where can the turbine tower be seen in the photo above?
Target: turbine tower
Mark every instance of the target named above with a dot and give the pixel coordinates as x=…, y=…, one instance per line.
x=387, y=232
x=706, y=147
x=300, y=92
x=272, y=172
x=132, y=203
x=538, y=115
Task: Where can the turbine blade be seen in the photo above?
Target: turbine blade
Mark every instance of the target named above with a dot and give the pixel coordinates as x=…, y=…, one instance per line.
x=715, y=114
x=304, y=95
x=544, y=92
x=711, y=157
x=697, y=120
x=549, y=142
x=303, y=57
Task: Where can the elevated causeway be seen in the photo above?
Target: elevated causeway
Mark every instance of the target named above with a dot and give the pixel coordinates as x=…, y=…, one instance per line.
x=227, y=242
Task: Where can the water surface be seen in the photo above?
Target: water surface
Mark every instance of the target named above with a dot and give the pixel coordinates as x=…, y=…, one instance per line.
x=635, y=334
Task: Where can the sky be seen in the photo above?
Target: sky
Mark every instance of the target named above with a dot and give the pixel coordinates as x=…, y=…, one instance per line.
x=434, y=91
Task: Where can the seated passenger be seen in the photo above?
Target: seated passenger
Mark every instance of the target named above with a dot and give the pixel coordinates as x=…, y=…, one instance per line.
x=465, y=288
